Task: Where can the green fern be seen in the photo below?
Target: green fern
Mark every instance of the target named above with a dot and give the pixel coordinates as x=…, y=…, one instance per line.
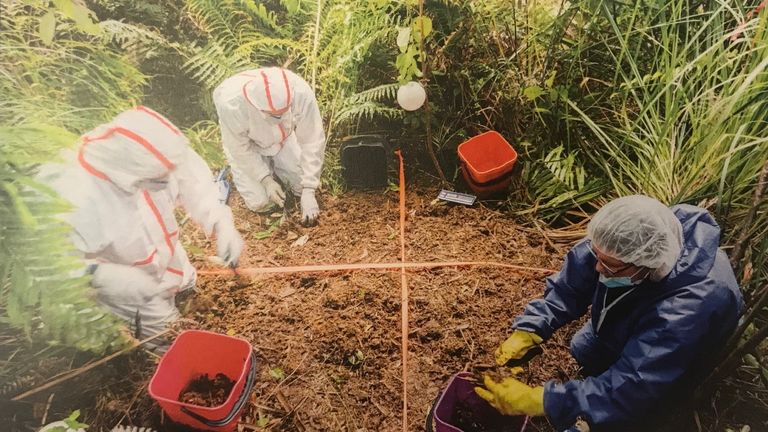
x=558, y=183
x=42, y=294
x=214, y=63
x=138, y=42
x=242, y=34
x=375, y=94
x=48, y=95
x=366, y=110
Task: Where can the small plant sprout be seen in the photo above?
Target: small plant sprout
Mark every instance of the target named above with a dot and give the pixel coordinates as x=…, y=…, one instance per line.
x=277, y=373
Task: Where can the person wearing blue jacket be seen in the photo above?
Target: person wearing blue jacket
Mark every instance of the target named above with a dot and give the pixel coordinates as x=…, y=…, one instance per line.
x=664, y=301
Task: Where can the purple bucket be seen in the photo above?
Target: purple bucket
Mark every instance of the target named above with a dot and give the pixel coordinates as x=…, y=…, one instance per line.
x=458, y=399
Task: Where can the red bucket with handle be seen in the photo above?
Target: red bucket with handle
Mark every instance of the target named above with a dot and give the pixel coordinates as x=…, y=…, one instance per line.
x=195, y=353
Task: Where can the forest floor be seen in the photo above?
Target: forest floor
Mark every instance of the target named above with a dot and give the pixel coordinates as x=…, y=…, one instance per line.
x=328, y=345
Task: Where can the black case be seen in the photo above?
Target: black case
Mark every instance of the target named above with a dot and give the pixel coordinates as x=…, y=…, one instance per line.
x=364, y=161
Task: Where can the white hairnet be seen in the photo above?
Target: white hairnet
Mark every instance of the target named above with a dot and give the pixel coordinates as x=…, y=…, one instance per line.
x=638, y=230
x=138, y=144
x=270, y=90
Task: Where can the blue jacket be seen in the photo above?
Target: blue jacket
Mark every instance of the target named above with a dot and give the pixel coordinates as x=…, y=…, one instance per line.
x=651, y=339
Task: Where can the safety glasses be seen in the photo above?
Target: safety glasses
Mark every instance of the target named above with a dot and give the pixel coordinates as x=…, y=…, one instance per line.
x=608, y=269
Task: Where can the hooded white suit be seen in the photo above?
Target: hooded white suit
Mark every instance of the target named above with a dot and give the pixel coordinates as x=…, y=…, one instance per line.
x=294, y=143
x=124, y=183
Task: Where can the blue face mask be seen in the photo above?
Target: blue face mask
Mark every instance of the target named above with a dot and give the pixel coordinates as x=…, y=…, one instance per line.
x=617, y=282
x=620, y=282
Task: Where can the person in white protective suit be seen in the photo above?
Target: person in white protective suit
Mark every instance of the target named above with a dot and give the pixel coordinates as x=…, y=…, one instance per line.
x=271, y=126
x=124, y=183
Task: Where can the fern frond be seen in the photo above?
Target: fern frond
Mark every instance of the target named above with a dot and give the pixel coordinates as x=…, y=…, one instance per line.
x=375, y=94
x=213, y=64
x=366, y=110
x=139, y=42
x=260, y=12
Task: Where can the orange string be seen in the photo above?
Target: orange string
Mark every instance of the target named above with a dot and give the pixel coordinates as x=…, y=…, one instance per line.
x=403, y=295
x=390, y=266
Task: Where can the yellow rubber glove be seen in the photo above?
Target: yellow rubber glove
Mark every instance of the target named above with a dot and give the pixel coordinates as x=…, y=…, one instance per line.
x=516, y=345
x=512, y=397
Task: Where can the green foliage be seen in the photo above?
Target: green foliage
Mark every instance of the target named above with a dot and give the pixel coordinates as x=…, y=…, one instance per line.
x=75, y=82
x=263, y=420
x=204, y=137
x=50, y=91
x=559, y=184
x=368, y=104
x=687, y=117
x=277, y=373
x=241, y=34
x=409, y=40
x=694, y=125
x=72, y=422
x=41, y=291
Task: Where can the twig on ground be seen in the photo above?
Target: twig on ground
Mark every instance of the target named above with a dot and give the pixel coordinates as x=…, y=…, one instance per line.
x=133, y=401
x=291, y=410
x=84, y=369
x=47, y=407
x=277, y=387
x=546, y=237
x=697, y=420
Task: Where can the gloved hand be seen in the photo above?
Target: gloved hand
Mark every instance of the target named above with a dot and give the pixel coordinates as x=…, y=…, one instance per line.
x=124, y=285
x=275, y=192
x=516, y=346
x=229, y=243
x=309, y=208
x=512, y=397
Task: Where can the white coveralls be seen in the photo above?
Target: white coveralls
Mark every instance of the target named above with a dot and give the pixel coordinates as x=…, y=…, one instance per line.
x=124, y=183
x=294, y=143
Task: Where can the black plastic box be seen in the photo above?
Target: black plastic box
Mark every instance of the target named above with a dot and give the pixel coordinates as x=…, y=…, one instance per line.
x=364, y=161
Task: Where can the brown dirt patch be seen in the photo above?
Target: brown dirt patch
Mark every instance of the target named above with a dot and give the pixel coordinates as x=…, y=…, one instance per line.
x=328, y=344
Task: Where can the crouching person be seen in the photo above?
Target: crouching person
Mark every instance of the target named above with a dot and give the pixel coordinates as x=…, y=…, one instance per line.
x=664, y=300
x=124, y=182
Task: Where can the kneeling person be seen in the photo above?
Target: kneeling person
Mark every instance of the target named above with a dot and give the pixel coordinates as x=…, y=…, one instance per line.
x=271, y=127
x=124, y=182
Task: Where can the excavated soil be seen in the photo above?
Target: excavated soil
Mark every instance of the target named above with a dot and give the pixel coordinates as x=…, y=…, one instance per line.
x=206, y=391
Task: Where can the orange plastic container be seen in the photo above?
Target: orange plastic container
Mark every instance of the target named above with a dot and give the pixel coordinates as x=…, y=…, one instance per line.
x=197, y=352
x=486, y=189
x=487, y=157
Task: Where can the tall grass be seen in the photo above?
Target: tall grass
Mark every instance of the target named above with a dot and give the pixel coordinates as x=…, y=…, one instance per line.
x=691, y=113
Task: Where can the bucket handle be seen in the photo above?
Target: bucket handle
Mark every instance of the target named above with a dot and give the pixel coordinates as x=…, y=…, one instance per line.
x=249, y=382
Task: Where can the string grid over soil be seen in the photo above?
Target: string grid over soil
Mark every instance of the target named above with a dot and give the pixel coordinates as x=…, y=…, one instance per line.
x=328, y=344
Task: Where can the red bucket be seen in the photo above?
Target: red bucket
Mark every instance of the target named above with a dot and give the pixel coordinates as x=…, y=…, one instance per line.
x=194, y=353
x=487, y=157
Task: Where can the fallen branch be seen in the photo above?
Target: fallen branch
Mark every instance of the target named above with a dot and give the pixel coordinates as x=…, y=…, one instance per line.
x=84, y=369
